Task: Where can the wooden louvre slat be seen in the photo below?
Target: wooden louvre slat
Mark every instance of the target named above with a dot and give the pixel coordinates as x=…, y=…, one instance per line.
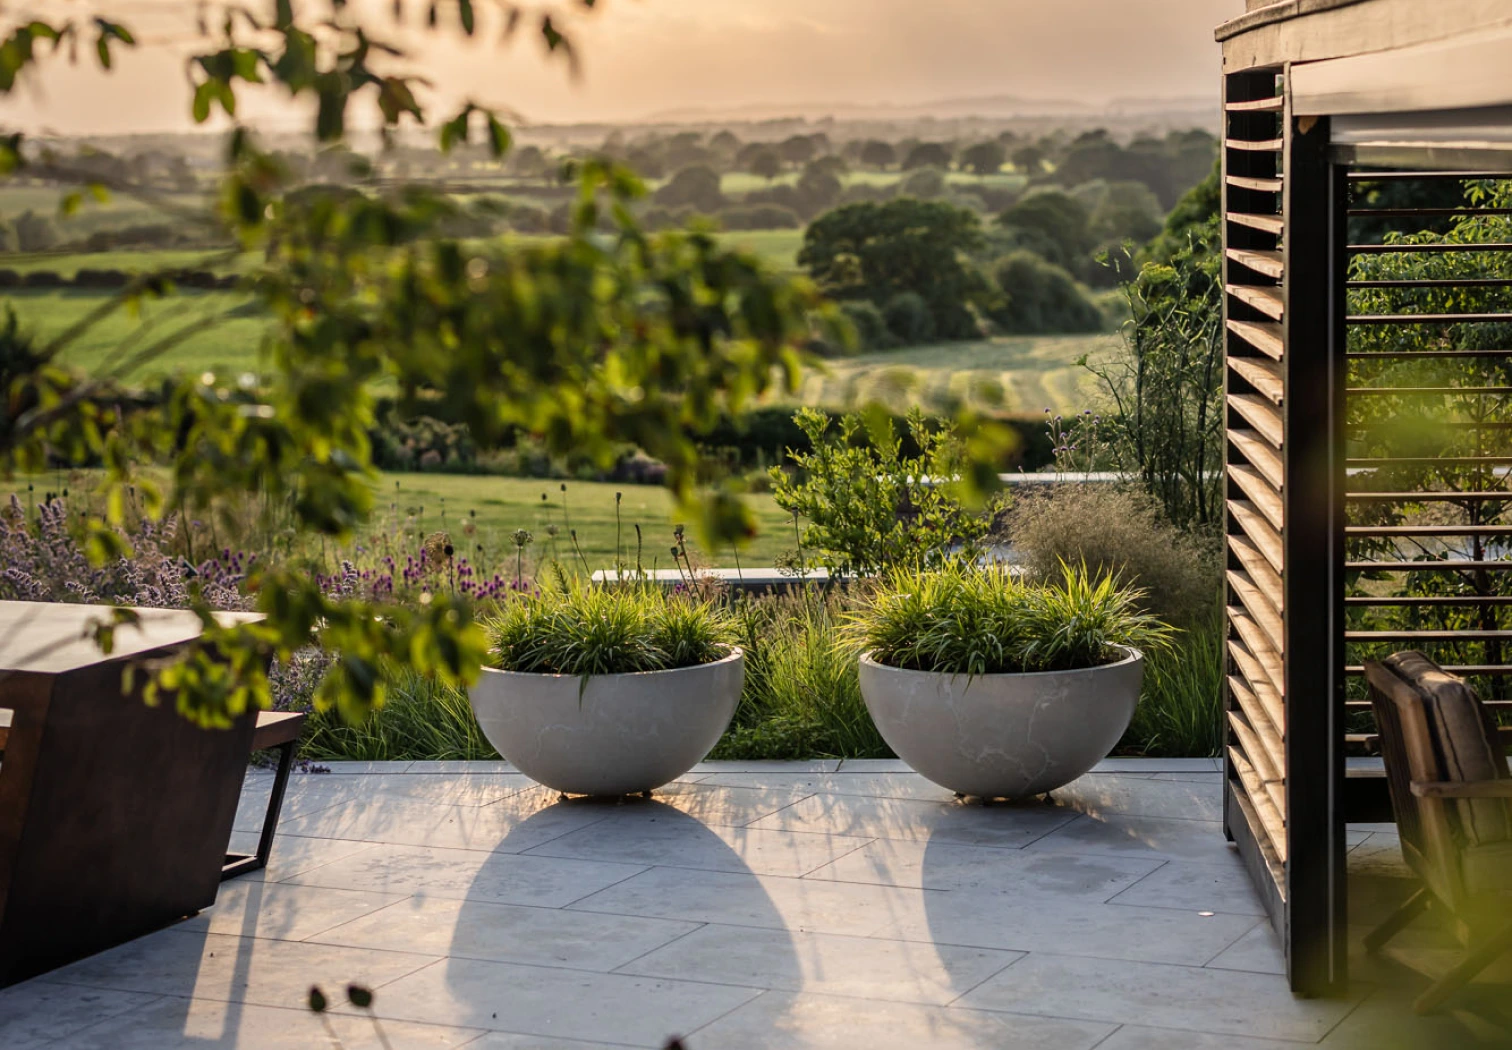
x=1257, y=528
x=1260, y=570
x=1268, y=773
x=1271, y=224
x=1255, y=677
x=1255, y=145
x=1266, y=499
x=1259, y=105
x=1258, y=719
x=1267, y=300
x=1268, y=263
x=1261, y=455
x=1265, y=654
x=1262, y=335
x=1260, y=414
x=1261, y=809
x=1263, y=375
x=1258, y=185
x=1259, y=607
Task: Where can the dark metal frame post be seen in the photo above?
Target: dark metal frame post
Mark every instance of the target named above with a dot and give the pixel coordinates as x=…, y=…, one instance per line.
x=1313, y=454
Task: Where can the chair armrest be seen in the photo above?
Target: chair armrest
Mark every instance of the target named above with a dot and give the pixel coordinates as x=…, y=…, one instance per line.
x=1462, y=789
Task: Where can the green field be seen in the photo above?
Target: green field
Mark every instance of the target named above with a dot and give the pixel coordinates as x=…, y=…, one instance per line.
x=408, y=507
x=1032, y=372
x=230, y=343
x=741, y=182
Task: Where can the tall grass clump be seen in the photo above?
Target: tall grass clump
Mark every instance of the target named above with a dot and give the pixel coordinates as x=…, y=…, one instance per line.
x=1180, y=712
x=802, y=694
x=1118, y=531
x=970, y=621
x=579, y=629
x=420, y=719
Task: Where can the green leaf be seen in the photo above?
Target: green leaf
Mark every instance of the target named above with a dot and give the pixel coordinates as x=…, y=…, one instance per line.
x=359, y=996
x=317, y=999
x=498, y=136
x=465, y=8
x=202, y=96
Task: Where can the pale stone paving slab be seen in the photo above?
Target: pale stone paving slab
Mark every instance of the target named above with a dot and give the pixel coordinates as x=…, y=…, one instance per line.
x=502, y=878
x=508, y=933
x=824, y=1022
x=544, y=1001
x=742, y=899
x=292, y=854
x=513, y=825
x=1196, y=840
x=641, y=837
x=1160, y=995
x=34, y=1014
x=963, y=823
x=1193, y=887
x=283, y=912
x=861, y=967
x=1258, y=951
x=234, y=969
x=1133, y=1037
x=988, y=869
x=1071, y=926
x=1131, y=797
x=200, y=1024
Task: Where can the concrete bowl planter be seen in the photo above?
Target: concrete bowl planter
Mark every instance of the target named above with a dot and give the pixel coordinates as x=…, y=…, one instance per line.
x=1003, y=735
x=615, y=734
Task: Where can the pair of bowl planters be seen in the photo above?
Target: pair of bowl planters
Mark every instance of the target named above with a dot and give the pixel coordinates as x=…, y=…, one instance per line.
x=991, y=736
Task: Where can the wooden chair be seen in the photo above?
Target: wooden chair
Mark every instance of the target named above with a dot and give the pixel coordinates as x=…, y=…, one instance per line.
x=1452, y=792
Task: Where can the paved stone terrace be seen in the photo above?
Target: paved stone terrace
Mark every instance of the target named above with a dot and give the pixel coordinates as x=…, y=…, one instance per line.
x=750, y=905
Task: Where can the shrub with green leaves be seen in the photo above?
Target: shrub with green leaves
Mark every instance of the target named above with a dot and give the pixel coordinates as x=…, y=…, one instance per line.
x=869, y=507
x=587, y=630
x=970, y=621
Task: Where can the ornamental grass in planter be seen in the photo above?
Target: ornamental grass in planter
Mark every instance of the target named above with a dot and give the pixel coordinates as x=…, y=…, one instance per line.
x=994, y=687
x=608, y=691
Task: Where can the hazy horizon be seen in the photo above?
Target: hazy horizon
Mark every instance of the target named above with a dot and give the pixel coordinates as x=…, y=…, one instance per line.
x=644, y=58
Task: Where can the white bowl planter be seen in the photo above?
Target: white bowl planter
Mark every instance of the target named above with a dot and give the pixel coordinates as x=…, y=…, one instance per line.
x=1003, y=735
x=614, y=734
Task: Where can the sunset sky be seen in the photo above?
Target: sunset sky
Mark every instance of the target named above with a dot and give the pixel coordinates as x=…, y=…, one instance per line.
x=644, y=57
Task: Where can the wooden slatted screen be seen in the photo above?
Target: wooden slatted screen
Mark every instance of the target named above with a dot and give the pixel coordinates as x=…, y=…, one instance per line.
x=1255, y=394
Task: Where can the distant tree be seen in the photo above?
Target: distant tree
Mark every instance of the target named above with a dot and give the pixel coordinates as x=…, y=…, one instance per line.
x=1124, y=211
x=646, y=163
x=528, y=162
x=726, y=142
x=877, y=251
x=7, y=238
x=1029, y=159
x=818, y=189
x=34, y=233
x=878, y=154
x=765, y=163
x=1040, y=297
x=797, y=149
x=1055, y=226
x=985, y=158
x=925, y=184
x=697, y=186
x=927, y=155
x=829, y=164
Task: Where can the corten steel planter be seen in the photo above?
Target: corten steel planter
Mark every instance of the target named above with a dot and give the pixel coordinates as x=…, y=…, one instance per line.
x=1003, y=735
x=615, y=734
